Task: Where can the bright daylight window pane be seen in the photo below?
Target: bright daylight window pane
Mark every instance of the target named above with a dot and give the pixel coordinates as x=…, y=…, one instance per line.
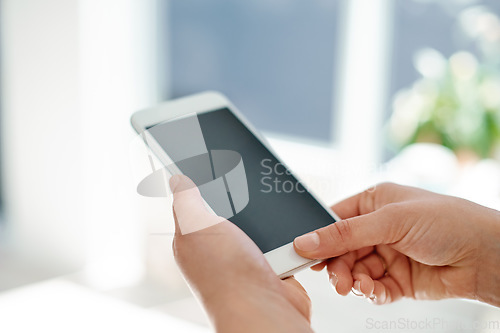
x=421, y=24
x=274, y=59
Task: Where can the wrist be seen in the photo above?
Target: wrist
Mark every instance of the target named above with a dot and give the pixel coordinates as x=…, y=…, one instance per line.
x=236, y=311
x=488, y=270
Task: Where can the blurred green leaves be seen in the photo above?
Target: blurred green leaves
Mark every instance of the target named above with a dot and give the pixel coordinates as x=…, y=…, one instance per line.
x=456, y=102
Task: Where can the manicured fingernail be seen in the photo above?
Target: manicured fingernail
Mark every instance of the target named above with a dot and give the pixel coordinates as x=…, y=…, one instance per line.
x=380, y=299
x=357, y=286
x=174, y=181
x=333, y=280
x=307, y=242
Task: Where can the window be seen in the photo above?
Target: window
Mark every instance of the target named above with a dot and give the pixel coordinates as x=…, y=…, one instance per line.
x=274, y=59
x=420, y=24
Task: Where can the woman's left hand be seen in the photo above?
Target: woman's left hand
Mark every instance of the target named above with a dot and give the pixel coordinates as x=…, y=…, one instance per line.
x=229, y=273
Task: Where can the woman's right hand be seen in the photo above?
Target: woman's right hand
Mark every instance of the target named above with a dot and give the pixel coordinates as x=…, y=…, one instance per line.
x=396, y=241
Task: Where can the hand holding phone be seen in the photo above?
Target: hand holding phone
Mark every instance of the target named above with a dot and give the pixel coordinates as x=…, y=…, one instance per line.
x=240, y=178
x=229, y=273
x=397, y=241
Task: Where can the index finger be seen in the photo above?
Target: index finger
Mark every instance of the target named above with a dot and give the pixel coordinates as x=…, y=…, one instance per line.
x=370, y=200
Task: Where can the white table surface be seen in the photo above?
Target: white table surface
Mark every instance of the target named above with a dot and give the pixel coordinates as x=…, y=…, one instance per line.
x=59, y=305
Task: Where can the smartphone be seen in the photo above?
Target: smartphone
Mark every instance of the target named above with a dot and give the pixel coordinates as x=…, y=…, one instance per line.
x=266, y=200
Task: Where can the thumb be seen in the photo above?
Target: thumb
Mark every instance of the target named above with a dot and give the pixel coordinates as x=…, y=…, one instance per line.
x=209, y=249
x=189, y=208
x=382, y=226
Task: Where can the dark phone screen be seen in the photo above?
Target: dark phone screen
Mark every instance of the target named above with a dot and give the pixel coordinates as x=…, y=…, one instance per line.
x=278, y=208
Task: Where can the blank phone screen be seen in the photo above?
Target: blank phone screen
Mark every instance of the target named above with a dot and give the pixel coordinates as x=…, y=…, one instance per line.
x=279, y=207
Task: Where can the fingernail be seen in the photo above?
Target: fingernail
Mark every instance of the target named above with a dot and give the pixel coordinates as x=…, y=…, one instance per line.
x=357, y=286
x=333, y=280
x=174, y=181
x=308, y=242
x=380, y=299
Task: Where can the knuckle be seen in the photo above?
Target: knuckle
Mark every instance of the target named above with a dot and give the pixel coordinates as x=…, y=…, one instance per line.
x=386, y=185
x=339, y=233
x=175, y=248
x=375, y=197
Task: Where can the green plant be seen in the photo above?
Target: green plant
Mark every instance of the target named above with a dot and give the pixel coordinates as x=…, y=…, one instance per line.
x=456, y=103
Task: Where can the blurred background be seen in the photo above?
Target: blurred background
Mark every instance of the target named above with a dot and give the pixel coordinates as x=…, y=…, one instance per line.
x=349, y=93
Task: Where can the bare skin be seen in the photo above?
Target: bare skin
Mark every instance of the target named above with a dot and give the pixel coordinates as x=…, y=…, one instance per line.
x=396, y=241
x=229, y=274
x=431, y=246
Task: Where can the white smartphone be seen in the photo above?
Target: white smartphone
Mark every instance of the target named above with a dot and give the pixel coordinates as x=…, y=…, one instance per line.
x=274, y=208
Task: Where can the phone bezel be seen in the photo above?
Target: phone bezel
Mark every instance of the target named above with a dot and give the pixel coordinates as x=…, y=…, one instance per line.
x=284, y=260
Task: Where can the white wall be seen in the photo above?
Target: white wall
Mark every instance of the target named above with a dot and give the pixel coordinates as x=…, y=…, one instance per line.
x=41, y=134
x=118, y=77
x=73, y=72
